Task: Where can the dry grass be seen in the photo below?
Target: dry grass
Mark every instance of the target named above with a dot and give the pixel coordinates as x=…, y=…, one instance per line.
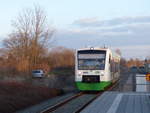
x=15, y=96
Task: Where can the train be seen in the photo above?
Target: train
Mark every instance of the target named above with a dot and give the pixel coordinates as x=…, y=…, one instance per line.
x=96, y=68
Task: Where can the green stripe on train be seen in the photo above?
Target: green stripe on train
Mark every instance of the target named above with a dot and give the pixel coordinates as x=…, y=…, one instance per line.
x=92, y=86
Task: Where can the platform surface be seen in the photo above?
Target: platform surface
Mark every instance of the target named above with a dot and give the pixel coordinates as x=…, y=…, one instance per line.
x=117, y=102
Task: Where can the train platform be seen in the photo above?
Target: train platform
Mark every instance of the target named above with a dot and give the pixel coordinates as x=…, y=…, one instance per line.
x=120, y=102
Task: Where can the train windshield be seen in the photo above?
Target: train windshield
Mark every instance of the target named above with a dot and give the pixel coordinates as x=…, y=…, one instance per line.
x=91, y=60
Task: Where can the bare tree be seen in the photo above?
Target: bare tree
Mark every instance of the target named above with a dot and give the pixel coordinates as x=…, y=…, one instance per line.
x=61, y=57
x=31, y=37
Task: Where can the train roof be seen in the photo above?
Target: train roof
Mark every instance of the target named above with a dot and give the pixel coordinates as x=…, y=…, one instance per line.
x=93, y=48
x=114, y=54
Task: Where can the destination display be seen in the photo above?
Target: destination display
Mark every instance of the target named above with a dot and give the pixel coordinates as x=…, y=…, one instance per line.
x=91, y=56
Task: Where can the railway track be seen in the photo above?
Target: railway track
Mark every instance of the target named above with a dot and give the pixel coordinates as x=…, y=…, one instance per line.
x=100, y=93
x=76, y=103
x=53, y=108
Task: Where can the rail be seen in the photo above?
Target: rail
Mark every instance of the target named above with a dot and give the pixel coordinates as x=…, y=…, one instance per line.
x=60, y=104
x=53, y=108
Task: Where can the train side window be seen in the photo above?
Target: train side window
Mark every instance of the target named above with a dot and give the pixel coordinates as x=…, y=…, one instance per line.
x=109, y=59
x=112, y=66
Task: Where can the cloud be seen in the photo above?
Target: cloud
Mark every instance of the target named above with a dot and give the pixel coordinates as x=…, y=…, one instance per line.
x=110, y=31
x=135, y=51
x=95, y=22
x=131, y=34
x=125, y=35
x=123, y=26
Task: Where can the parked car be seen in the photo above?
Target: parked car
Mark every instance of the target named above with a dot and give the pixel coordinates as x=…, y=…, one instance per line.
x=134, y=69
x=142, y=70
x=147, y=68
x=38, y=73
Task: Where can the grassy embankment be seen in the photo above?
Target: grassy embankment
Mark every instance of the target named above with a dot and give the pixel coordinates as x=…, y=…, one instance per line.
x=16, y=96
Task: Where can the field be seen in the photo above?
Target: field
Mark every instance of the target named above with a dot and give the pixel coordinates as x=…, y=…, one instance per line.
x=16, y=96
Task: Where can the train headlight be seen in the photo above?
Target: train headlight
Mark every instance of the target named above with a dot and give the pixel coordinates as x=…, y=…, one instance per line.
x=102, y=73
x=79, y=73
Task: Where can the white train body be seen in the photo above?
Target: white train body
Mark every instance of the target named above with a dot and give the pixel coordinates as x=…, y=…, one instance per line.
x=96, y=68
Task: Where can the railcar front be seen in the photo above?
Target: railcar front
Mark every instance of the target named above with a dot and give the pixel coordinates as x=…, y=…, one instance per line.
x=92, y=71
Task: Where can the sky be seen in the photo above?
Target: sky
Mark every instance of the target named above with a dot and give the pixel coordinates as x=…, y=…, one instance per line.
x=123, y=24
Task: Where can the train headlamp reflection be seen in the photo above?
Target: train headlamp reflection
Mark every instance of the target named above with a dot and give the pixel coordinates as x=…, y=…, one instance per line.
x=102, y=74
x=79, y=73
